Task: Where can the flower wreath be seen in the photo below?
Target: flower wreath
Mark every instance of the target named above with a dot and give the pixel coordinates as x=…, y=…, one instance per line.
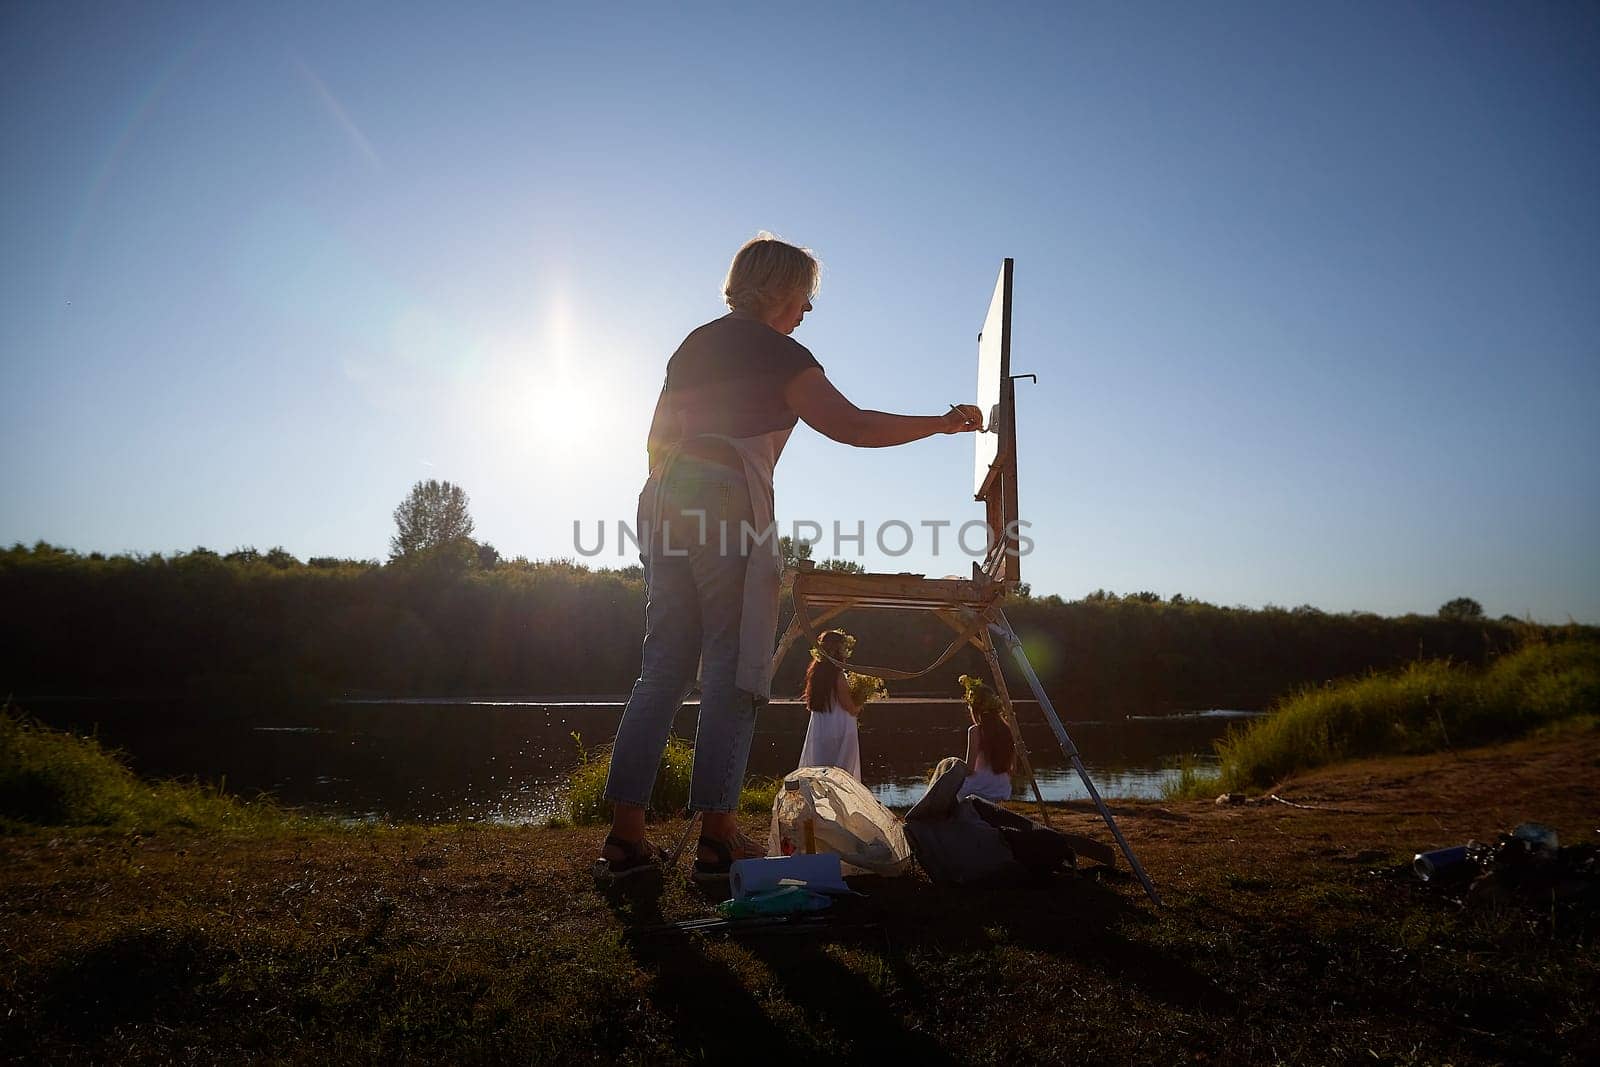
x=980, y=698
x=848, y=646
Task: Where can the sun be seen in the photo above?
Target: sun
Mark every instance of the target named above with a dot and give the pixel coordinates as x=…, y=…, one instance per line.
x=547, y=397
x=564, y=414
x=538, y=408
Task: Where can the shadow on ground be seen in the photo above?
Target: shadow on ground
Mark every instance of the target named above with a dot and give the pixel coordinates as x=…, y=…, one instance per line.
x=858, y=982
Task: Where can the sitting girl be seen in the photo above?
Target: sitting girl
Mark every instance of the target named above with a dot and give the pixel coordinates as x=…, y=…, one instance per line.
x=991, y=750
x=831, y=739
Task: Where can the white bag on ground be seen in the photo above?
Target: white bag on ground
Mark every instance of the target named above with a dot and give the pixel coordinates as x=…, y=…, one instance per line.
x=846, y=818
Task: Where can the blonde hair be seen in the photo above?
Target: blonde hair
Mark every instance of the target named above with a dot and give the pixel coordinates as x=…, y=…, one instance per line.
x=767, y=271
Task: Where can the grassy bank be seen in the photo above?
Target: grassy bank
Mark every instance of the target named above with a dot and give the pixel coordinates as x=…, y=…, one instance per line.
x=1429, y=706
x=54, y=778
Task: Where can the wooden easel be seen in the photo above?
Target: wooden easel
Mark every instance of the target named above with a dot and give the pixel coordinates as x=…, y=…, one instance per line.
x=970, y=607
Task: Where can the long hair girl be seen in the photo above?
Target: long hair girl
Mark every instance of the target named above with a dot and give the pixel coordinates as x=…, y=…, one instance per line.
x=999, y=747
x=822, y=677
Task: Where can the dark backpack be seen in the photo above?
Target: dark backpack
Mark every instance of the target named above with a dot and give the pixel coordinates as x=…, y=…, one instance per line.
x=970, y=841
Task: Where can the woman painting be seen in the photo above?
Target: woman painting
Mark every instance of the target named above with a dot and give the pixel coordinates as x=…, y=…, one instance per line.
x=734, y=390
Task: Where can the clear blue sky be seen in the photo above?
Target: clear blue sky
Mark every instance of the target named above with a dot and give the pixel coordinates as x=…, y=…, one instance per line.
x=1312, y=291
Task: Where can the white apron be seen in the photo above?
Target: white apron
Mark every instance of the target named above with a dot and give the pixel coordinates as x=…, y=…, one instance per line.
x=758, y=618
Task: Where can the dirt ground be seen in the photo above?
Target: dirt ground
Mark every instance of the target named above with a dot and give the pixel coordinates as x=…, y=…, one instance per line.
x=1288, y=934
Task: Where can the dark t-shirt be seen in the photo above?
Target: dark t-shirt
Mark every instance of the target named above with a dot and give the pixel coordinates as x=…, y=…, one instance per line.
x=728, y=377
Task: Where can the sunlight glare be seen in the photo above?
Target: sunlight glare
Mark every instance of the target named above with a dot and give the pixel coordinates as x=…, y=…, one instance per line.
x=545, y=396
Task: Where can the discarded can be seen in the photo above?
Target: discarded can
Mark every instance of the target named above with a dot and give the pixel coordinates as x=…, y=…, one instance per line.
x=1442, y=864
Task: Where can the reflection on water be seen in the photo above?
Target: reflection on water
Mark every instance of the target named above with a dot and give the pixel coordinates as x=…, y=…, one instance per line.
x=504, y=761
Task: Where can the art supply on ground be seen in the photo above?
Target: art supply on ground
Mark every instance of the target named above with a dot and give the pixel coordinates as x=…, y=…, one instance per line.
x=782, y=900
x=809, y=924
x=819, y=872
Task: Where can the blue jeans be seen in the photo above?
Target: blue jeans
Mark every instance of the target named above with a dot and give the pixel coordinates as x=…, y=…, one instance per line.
x=694, y=598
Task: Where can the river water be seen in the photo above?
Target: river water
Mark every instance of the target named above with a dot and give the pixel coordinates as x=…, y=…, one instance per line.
x=503, y=761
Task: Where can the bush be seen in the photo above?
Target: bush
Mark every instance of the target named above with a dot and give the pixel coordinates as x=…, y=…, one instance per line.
x=1423, y=708
x=55, y=778
x=1194, y=780
x=586, y=786
x=586, y=800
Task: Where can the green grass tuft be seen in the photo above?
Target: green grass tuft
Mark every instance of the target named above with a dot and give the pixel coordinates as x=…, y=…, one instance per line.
x=56, y=778
x=586, y=786
x=1426, y=707
x=586, y=789
x=1195, y=779
x=758, y=794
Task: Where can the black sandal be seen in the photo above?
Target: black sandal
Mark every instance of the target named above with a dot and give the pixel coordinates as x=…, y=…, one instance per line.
x=719, y=869
x=713, y=870
x=639, y=857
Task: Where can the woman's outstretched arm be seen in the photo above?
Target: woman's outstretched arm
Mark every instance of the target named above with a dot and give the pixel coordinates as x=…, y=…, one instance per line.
x=826, y=410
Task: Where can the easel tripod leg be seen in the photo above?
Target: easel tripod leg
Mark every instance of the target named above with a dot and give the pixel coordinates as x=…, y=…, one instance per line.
x=784, y=642
x=1002, y=629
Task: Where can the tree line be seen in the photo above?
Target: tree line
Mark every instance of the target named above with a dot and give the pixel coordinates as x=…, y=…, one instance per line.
x=266, y=626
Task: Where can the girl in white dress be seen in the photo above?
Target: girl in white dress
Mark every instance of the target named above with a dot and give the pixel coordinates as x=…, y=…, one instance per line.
x=990, y=755
x=831, y=739
x=991, y=750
